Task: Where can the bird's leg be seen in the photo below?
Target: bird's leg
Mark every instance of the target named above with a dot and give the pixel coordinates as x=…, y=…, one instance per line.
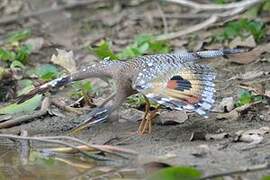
x=144, y=120
x=146, y=124
x=101, y=113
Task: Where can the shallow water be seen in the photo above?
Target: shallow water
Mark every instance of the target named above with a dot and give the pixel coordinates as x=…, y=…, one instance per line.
x=40, y=166
x=43, y=165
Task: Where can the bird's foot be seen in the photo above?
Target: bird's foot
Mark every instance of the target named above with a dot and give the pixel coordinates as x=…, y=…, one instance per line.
x=146, y=124
x=97, y=115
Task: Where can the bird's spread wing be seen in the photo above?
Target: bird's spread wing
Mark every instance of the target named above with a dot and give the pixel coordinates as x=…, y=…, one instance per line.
x=189, y=87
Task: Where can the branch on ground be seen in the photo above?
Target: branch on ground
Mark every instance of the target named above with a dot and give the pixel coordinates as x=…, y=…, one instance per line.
x=232, y=9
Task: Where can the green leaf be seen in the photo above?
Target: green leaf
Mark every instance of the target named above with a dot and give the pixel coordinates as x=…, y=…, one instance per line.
x=137, y=101
x=103, y=50
x=159, y=47
x=221, y=1
x=257, y=98
x=27, y=106
x=19, y=35
x=23, y=52
x=242, y=28
x=127, y=53
x=25, y=86
x=80, y=88
x=266, y=6
x=6, y=55
x=245, y=98
x=142, y=49
x=143, y=44
x=176, y=173
x=16, y=65
x=86, y=86
x=253, y=11
x=265, y=178
x=47, y=72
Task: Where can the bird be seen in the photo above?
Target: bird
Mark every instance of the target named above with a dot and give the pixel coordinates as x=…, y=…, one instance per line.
x=175, y=80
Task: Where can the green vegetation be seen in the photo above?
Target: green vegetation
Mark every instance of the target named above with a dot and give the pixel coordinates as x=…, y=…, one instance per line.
x=242, y=28
x=143, y=44
x=81, y=88
x=47, y=72
x=247, y=97
x=176, y=173
x=221, y=1
x=266, y=178
x=15, y=37
x=27, y=106
x=14, y=55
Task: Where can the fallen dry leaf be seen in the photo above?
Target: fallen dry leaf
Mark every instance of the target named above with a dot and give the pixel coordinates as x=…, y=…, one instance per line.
x=253, y=136
x=248, y=42
x=226, y=105
x=235, y=113
x=35, y=43
x=65, y=59
x=251, y=56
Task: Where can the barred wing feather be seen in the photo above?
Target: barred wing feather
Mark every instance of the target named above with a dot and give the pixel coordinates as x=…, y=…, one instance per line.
x=185, y=87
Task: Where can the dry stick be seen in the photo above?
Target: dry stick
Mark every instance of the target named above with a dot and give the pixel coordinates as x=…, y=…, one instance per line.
x=62, y=106
x=10, y=136
x=105, y=148
x=192, y=29
x=206, y=7
x=260, y=167
x=212, y=19
x=11, y=19
x=26, y=118
x=165, y=24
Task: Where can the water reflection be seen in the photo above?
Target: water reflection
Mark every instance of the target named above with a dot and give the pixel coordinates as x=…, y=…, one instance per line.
x=41, y=166
x=58, y=166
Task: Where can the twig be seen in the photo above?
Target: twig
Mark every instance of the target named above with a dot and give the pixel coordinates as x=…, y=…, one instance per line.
x=232, y=9
x=10, y=136
x=13, y=18
x=165, y=24
x=191, y=29
x=64, y=107
x=105, y=148
x=260, y=167
x=205, y=7
x=26, y=118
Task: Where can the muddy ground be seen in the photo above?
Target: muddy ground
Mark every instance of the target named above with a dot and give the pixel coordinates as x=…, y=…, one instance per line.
x=73, y=29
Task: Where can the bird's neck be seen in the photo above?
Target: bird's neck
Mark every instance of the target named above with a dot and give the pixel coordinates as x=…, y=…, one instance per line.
x=100, y=70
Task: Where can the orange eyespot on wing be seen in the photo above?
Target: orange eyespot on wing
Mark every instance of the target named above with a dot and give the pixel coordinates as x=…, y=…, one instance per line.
x=189, y=87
